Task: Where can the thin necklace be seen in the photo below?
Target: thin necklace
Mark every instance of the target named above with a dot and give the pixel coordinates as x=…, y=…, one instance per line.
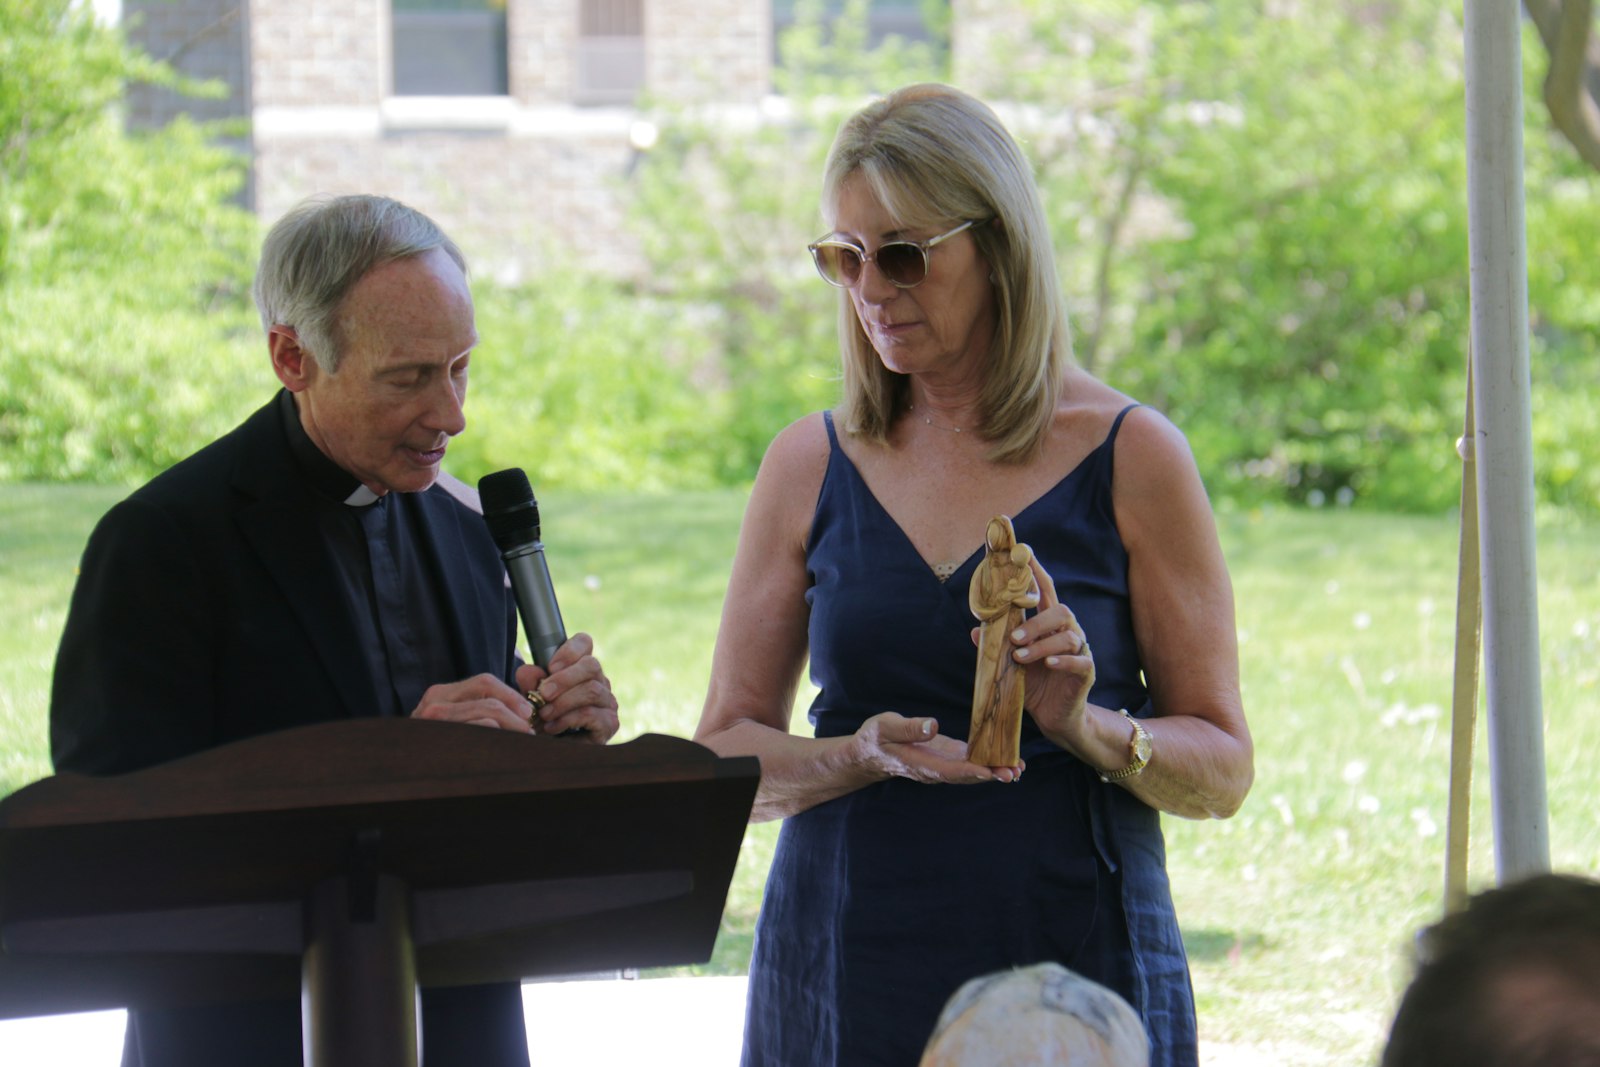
x=936, y=425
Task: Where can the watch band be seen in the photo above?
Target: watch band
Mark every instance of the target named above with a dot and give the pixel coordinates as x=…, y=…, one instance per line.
x=1138, y=751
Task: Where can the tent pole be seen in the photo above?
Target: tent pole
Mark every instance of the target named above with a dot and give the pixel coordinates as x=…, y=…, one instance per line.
x=1503, y=445
x=1464, y=699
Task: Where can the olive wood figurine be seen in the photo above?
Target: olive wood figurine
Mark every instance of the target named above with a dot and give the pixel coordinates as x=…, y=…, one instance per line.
x=1006, y=584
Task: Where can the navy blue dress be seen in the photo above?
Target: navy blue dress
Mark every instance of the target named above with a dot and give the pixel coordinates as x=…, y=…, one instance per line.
x=882, y=902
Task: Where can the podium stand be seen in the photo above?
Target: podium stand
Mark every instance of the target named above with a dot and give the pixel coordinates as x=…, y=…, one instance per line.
x=350, y=862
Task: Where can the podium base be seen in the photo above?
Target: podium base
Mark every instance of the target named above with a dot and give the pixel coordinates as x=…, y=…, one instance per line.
x=359, y=1003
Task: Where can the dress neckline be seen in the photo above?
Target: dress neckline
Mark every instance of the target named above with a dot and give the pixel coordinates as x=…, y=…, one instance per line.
x=932, y=569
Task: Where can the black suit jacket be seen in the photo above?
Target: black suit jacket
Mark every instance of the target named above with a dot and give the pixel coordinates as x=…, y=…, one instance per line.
x=208, y=610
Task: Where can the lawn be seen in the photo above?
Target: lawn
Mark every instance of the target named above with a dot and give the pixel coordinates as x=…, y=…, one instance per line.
x=1297, y=912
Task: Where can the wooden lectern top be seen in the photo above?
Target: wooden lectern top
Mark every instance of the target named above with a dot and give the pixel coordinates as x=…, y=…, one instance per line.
x=525, y=855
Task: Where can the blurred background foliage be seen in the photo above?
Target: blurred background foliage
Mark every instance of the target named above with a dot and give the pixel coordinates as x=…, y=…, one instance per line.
x=121, y=258
x=1259, y=211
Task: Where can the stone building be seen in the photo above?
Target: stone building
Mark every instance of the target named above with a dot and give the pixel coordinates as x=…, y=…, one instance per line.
x=509, y=121
x=512, y=122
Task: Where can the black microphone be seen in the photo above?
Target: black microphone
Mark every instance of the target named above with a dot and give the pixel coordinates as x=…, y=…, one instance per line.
x=513, y=518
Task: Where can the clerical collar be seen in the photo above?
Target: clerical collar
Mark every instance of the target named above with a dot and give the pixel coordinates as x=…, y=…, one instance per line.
x=326, y=478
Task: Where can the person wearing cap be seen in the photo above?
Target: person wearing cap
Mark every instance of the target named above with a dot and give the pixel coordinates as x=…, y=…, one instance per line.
x=1039, y=1016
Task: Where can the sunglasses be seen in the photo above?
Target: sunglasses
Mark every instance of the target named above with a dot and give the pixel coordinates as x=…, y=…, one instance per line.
x=903, y=263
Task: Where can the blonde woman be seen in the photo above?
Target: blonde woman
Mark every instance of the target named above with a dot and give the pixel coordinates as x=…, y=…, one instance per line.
x=903, y=869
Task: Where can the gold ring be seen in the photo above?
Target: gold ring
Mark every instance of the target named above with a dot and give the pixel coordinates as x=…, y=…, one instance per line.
x=536, y=699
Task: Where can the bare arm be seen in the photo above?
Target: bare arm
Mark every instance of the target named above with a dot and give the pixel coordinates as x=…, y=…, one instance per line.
x=761, y=650
x=1202, y=759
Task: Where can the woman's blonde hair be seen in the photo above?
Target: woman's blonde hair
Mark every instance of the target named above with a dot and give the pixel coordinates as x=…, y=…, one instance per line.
x=933, y=155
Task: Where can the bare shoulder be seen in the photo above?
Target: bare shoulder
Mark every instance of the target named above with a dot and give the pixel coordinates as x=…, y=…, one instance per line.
x=799, y=450
x=785, y=494
x=1157, y=491
x=1150, y=450
x=1089, y=410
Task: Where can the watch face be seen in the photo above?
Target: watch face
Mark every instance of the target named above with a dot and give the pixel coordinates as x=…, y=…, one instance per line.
x=1141, y=743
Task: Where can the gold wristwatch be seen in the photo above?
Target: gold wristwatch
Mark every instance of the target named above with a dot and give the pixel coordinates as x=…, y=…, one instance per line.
x=1138, y=751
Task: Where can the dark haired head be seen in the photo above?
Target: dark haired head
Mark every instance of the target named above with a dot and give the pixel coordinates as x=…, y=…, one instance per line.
x=1513, y=980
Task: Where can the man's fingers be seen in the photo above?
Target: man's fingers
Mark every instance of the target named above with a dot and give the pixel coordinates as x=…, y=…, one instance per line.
x=530, y=676
x=595, y=725
x=480, y=712
x=591, y=706
x=578, y=647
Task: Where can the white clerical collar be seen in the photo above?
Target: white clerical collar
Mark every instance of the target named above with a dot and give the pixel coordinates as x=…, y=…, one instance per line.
x=361, y=497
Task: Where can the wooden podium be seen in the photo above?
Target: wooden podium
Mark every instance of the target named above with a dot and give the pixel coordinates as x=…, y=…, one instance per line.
x=352, y=862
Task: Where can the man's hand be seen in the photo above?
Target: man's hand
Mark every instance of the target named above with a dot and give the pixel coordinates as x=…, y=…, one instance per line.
x=575, y=691
x=483, y=700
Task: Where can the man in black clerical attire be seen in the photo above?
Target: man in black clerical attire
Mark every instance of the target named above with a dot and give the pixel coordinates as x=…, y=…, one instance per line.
x=314, y=564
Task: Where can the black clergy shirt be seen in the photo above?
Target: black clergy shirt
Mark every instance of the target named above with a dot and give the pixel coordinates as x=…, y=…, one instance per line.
x=385, y=575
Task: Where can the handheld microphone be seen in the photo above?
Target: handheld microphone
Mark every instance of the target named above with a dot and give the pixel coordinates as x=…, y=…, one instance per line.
x=513, y=517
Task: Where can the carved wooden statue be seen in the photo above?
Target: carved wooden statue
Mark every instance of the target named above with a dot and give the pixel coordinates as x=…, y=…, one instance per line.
x=1006, y=584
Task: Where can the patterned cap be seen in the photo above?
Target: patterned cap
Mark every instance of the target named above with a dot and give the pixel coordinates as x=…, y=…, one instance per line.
x=1037, y=1016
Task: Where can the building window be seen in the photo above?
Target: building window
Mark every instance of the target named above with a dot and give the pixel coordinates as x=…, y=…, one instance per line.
x=450, y=48
x=910, y=20
x=610, y=51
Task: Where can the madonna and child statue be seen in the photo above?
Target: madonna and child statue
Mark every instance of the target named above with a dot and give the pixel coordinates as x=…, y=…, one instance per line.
x=1007, y=584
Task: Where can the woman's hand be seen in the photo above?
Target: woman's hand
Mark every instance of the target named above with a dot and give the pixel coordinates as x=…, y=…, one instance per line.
x=890, y=745
x=1060, y=672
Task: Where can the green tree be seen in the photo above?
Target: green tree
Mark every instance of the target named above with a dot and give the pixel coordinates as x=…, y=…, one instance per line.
x=725, y=209
x=1259, y=212
x=1262, y=220
x=123, y=262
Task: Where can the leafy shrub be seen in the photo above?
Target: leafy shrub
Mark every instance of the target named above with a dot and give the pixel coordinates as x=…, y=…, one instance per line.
x=1264, y=224
x=1261, y=223
x=124, y=266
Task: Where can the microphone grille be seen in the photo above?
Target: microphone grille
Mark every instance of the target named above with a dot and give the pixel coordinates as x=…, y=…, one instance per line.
x=509, y=508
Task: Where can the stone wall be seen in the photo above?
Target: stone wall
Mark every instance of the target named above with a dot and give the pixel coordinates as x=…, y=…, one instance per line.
x=521, y=181
x=204, y=39
x=542, y=40
x=515, y=205
x=310, y=54
x=716, y=51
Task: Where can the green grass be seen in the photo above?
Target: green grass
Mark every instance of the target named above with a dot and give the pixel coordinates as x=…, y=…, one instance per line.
x=1297, y=913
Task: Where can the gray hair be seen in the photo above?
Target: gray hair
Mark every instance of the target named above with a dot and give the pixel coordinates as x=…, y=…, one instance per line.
x=316, y=253
x=933, y=155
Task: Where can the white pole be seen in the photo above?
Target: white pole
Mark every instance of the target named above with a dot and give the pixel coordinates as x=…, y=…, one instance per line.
x=1503, y=448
